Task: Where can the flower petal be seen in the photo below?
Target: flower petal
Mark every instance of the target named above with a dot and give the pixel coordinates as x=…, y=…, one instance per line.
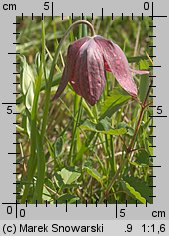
x=89, y=75
x=139, y=72
x=116, y=62
x=70, y=64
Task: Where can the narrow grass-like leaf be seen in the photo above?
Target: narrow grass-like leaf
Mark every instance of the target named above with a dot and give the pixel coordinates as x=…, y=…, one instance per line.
x=144, y=81
x=136, y=59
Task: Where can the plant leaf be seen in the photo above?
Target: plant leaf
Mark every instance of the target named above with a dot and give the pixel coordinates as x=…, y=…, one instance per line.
x=113, y=102
x=94, y=173
x=144, y=81
x=137, y=188
x=103, y=126
x=130, y=130
x=143, y=157
x=58, y=145
x=67, y=197
x=27, y=83
x=69, y=176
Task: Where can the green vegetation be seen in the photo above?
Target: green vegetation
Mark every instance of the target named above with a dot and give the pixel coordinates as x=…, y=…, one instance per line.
x=70, y=150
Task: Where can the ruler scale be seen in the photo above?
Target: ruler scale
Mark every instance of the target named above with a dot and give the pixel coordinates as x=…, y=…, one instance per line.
x=106, y=218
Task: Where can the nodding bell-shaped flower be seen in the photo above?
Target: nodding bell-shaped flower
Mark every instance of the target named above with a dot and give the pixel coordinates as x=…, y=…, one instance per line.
x=87, y=60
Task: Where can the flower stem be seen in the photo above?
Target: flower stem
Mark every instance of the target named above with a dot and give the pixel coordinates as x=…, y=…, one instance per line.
x=128, y=151
x=49, y=84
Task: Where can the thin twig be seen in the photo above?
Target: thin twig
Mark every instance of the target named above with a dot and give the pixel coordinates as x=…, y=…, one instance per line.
x=129, y=149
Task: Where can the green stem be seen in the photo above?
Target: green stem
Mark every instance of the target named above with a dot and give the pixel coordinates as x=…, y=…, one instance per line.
x=41, y=170
x=40, y=153
x=49, y=84
x=78, y=115
x=113, y=161
x=128, y=152
x=77, y=108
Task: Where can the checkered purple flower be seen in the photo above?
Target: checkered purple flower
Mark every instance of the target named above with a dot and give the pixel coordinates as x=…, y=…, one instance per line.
x=87, y=60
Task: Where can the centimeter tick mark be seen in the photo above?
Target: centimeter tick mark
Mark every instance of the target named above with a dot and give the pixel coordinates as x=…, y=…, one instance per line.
x=157, y=116
x=66, y=205
x=14, y=153
x=152, y=76
x=132, y=16
x=116, y=209
x=96, y=202
x=14, y=53
x=154, y=66
x=52, y=10
x=154, y=166
x=11, y=103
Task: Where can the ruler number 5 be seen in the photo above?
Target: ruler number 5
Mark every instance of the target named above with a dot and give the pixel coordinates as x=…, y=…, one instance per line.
x=159, y=110
x=9, y=110
x=122, y=212
x=46, y=6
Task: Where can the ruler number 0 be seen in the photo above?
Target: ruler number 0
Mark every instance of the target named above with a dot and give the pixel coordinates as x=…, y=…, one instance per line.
x=10, y=211
x=146, y=6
